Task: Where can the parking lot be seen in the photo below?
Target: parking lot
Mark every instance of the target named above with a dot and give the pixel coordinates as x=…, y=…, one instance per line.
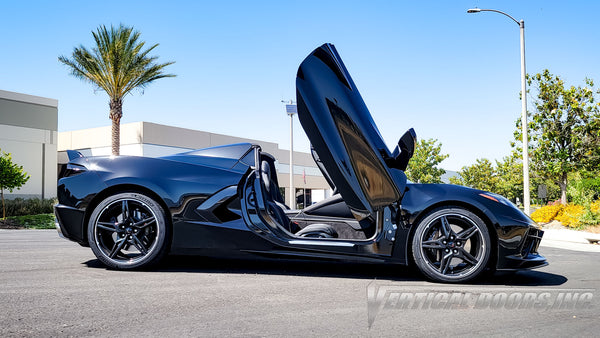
x=52, y=287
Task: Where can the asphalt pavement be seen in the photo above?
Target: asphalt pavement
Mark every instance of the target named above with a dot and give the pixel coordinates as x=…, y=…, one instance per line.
x=53, y=287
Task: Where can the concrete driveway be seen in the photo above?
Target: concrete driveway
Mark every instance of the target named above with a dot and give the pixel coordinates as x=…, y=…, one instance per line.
x=52, y=287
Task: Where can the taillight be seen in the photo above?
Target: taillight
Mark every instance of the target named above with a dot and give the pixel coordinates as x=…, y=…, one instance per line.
x=71, y=169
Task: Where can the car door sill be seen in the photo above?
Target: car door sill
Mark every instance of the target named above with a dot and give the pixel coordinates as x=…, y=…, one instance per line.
x=321, y=243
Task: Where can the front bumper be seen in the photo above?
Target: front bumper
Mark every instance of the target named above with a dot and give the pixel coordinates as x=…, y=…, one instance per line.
x=526, y=255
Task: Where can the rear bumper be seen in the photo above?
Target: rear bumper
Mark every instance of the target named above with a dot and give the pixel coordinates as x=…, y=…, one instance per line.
x=69, y=223
x=57, y=225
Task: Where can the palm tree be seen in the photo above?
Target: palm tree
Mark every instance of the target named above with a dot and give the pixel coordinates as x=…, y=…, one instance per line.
x=117, y=65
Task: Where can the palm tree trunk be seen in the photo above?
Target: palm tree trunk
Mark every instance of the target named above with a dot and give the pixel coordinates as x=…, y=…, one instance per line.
x=116, y=112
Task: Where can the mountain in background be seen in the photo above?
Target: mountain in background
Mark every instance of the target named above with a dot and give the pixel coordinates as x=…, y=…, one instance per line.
x=448, y=174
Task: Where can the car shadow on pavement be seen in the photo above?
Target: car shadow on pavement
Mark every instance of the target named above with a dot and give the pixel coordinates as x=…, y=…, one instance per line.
x=307, y=268
x=525, y=278
x=195, y=264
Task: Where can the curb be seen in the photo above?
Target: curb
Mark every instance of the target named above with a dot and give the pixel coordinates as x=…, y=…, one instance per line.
x=566, y=235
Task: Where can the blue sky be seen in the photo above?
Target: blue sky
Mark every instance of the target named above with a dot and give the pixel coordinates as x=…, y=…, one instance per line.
x=429, y=65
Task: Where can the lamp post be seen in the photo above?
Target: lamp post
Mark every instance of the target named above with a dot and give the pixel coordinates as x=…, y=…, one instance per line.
x=291, y=108
x=526, y=198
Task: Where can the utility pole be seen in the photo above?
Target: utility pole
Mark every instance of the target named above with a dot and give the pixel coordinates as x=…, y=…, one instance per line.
x=291, y=108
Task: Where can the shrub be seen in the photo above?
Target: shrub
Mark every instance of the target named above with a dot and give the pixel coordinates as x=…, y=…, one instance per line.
x=592, y=215
x=570, y=215
x=41, y=221
x=595, y=207
x=31, y=206
x=546, y=213
x=584, y=190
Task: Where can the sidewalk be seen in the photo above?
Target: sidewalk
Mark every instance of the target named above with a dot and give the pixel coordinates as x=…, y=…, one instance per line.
x=570, y=239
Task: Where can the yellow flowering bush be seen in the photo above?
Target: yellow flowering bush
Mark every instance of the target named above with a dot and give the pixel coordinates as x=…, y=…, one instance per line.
x=570, y=215
x=546, y=213
x=595, y=207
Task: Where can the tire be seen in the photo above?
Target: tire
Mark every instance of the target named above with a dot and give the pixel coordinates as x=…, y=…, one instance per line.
x=451, y=245
x=128, y=231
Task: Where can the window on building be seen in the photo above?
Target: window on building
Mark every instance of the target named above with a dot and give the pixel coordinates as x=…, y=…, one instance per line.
x=303, y=198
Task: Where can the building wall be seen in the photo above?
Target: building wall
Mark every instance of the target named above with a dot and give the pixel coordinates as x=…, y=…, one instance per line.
x=28, y=131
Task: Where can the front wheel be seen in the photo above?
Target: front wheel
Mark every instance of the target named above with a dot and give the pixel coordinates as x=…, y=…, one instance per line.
x=451, y=245
x=128, y=231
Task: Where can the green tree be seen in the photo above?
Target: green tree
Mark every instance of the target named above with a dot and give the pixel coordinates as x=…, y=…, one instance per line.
x=481, y=175
x=456, y=180
x=509, y=172
x=564, y=129
x=422, y=167
x=505, y=178
x=11, y=176
x=583, y=189
x=117, y=64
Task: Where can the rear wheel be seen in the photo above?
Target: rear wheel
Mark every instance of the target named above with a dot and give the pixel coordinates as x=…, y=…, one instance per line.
x=128, y=231
x=451, y=245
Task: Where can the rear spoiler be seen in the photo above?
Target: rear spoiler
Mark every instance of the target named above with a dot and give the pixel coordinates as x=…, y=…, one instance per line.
x=73, y=154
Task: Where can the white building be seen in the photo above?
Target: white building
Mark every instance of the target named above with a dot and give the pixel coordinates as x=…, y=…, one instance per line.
x=28, y=131
x=154, y=140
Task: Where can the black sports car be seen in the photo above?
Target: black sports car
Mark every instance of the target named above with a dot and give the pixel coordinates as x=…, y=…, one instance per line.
x=225, y=201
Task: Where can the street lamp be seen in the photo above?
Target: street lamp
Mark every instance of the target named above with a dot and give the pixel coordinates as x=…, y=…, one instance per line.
x=291, y=108
x=526, y=199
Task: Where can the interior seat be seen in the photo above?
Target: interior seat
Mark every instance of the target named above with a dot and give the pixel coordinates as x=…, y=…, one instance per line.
x=271, y=185
x=274, y=198
x=276, y=208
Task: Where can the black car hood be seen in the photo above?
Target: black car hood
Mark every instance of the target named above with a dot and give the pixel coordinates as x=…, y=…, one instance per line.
x=344, y=135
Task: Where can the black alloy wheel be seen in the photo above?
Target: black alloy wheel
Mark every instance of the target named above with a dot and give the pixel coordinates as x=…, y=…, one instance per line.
x=128, y=231
x=451, y=245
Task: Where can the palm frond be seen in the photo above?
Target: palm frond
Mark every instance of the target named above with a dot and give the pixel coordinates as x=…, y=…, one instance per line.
x=118, y=63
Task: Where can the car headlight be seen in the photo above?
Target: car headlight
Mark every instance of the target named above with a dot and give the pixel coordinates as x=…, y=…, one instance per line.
x=505, y=201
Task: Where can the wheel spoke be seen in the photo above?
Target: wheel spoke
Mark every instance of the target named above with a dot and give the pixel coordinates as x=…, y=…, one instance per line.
x=467, y=257
x=138, y=244
x=467, y=233
x=144, y=223
x=125, y=209
x=446, y=229
x=109, y=226
x=433, y=244
x=445, y=263
x=145, y=239
x=117, y=247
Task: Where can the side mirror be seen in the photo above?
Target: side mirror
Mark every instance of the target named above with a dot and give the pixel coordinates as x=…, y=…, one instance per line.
x=404, y=150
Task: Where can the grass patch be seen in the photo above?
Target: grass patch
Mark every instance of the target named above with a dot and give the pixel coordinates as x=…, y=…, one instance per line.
x=41, y=221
